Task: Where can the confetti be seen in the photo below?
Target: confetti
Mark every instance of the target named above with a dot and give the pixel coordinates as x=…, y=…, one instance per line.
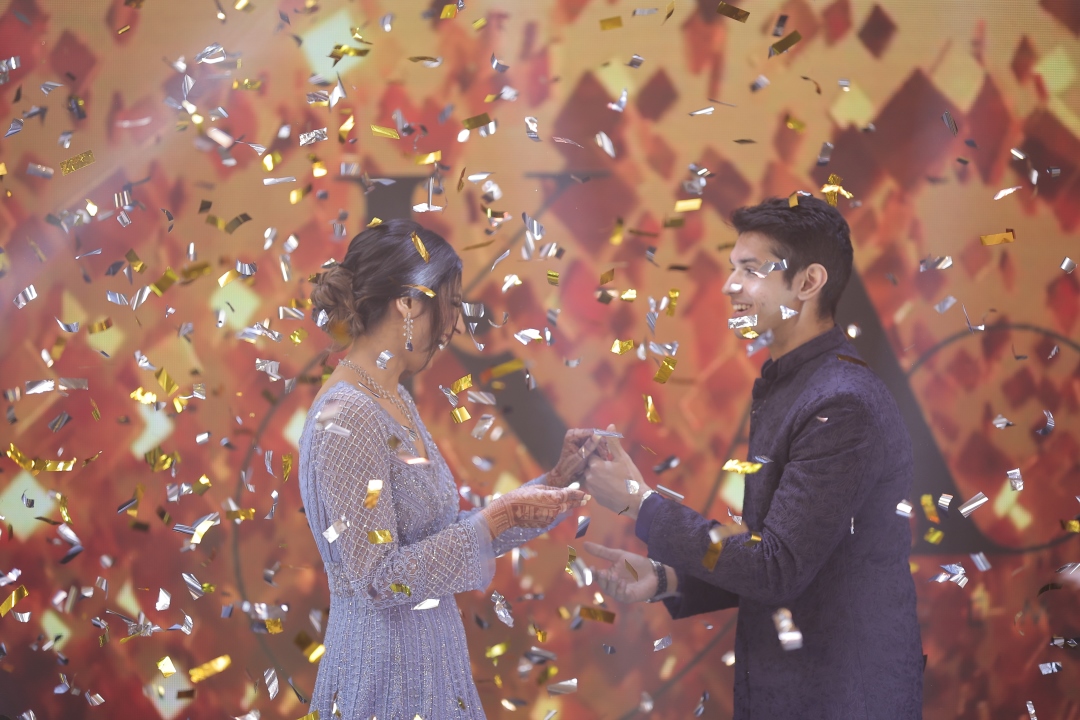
x=687, y=205
x=379, y=131
x=379, y=537
x=420, y=248
x=597, y=614
x=209, y=669
x=650, y=410
x=77, y=163
x=732, y=12
x=611, y=23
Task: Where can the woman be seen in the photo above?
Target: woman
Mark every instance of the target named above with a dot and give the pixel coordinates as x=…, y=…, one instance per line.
x=380, y=500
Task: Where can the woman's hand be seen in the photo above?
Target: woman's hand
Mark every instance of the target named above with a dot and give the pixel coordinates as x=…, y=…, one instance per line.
x=578, y=446
x=629, y=579
x=530, y=506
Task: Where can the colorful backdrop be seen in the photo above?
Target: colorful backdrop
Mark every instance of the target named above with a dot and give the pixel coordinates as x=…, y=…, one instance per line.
x=158, y=355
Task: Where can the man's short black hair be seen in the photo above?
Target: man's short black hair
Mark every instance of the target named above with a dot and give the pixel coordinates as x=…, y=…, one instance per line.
x=811, y=232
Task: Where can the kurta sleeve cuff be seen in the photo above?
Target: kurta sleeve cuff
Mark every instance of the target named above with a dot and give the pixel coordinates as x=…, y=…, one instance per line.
x=645, y=516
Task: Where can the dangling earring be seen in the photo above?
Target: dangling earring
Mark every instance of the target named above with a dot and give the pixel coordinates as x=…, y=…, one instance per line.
x=408, y=332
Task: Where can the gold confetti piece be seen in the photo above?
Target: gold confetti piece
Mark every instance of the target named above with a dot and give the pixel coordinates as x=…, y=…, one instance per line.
x=571, y=557
x=165, y=665
x=741, y=467
x=476, y=121
x=629, y=296
x=502, y=370
x=167, y=383
x=14, y=597
x=733, y=12
x=209, y=669
x=227, y=278
x=611, y=23
x=295, y=196
x=650, y=410
x=449, y=12
x=430, y=158
x=669, y=11
x=163, y=283
x=663, y=373
x=687, y=205
x=424, y=289
x=123, y=30
x=496, y=650
x=617, y=232
x=420, y=247
x=607, y=277
x=630, y=569
x=597, y=614
x=852, y=360
x=1069, y=526
x=274, y=626
x=314, y=715
x=754, y=539
x=480, y=24
x=100, y=326
x=673, y=298
x=460, y=414
x=832, y=188
x=998, y=238
x=477, y=246
x=94, y=411
x=553, y=277
x=246, y=84
x=77, y=163
x=380, y=131
x=346, y=128
x=785, y=44
x=136, y=264
x=241, y=514
x=379, y=537
x=929, y=508
x=312, y=650
x=374, y=221
x=297, y=336
x=794, y=123
x=621, y=347
x=374, y=490
x=934, y=536
x=461, y=384
x=400, y=588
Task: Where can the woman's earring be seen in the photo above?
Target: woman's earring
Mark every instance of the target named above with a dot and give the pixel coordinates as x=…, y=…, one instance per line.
x=408, y=332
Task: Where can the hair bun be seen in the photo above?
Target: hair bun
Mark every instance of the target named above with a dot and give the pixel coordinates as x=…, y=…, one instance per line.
x=333, y=293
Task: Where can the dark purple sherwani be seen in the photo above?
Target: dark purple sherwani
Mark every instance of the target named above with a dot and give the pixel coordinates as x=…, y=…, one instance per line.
x=839, y=457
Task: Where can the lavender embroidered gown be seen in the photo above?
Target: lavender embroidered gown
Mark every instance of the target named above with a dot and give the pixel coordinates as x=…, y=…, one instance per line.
x=382, y=657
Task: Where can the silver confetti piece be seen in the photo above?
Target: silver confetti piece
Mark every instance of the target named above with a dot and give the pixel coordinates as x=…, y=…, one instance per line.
x=670, y=494
x=1001, y=422
x=1068, y=265
x=620, y=104
x=278, y=181
x=16, y=126
x=312, y=137
x=193, y=585
x=661, y=644
x=384, y=357
x=1015, y=480
x=1050, y=667
x=569, y=686
x=635, y=61
x=582, y=526
x=790, y=636
x=981, y=563
x=787, y=313
x=40, y=171
x=482, y=426
x=945, y=304
x=825, y=154
x=1049, y=427
x=903, y=508
x=532, y=129
x=502, y=609
x=271, y=680
x=335, y=530
x=163, y=601
x=605, y=144
x=950, y=123
x=28, y=294
x=743, y=321
x=973, y=504
x=498, y=66
x=429, y=604
x=759, y=343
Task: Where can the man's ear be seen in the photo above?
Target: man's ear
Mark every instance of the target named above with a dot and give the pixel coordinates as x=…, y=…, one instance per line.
x=814, y=278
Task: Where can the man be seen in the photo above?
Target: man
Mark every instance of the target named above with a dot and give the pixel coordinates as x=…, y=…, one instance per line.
x=820, y=550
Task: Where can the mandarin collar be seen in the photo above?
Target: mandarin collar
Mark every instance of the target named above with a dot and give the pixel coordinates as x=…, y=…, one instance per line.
x=773, y=370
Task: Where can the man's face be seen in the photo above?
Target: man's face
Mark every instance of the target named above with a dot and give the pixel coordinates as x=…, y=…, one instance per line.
x=752, y=294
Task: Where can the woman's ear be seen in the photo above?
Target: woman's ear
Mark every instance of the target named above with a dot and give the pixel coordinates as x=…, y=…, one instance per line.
x=404, y=306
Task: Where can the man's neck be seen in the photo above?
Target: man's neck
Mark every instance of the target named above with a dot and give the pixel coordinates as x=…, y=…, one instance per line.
x=799, y=334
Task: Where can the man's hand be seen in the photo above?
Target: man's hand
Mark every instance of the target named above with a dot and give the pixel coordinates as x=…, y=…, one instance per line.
x=618, y=581
x=577, y=446
x=616, y=483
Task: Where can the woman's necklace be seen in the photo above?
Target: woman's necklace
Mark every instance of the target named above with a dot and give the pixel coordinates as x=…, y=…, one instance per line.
x=378, y=390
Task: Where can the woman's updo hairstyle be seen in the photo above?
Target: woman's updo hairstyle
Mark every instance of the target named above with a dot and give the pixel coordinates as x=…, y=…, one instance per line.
x=379, y=265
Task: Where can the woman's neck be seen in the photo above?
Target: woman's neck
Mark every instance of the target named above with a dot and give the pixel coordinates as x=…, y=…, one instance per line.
x=365, y=351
